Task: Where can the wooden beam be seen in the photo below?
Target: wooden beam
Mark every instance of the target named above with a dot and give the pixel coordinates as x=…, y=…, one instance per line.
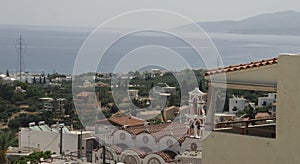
x=241, y=86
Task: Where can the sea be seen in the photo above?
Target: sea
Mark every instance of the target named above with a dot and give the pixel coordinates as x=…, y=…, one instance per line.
x=54, y=49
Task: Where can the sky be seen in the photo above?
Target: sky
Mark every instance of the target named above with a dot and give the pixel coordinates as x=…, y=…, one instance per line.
x=91, y=13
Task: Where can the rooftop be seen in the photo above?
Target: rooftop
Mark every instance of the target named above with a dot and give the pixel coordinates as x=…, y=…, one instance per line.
x=126, y=120
x=174, y=129
x=85, y=94
x=239, y=67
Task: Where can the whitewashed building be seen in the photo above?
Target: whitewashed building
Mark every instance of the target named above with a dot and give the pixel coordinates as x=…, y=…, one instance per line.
x=237, y=104
x=266, y=101
x=47, y=138
x=173, y=142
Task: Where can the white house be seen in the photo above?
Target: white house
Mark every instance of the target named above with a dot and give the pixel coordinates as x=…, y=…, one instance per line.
x=47, y=138
x=237, y=104
x=269, y=100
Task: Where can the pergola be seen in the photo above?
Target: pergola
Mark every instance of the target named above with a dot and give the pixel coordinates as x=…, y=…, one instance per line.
x=260, y=76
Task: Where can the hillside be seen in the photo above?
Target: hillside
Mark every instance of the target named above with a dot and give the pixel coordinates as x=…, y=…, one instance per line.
x=279, y=23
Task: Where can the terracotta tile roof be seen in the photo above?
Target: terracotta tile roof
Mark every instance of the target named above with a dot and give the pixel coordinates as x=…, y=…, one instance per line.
x=117, y=149
x=126, y=120
x=176, y=130
x=242, y=66
x=262, y=115
x=85, y=94
x=167, y=155
x=259, y=115
x=140, y=152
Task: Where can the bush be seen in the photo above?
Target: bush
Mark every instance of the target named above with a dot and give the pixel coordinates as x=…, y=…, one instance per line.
x=14, y=124
x=32, y=108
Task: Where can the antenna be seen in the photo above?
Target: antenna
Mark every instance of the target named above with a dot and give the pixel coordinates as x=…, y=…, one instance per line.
x=20, y=47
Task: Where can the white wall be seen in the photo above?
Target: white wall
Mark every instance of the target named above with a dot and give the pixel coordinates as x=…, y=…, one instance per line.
x=239, y=103
x=269, y=100
x=221, y=148
x=117, y=139
x=46, y=140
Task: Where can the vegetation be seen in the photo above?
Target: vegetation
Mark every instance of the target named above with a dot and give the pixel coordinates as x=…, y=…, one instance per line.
x=13, y=115
x=7, y=138
x=34, y=158
x=18, y=109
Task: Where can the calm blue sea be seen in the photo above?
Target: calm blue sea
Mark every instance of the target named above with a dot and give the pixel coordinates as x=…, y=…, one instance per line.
x=51, y=49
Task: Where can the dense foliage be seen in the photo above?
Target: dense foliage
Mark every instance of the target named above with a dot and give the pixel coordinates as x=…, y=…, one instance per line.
x=34, y=158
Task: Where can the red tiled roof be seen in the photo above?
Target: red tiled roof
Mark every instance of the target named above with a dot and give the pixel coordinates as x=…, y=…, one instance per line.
x=126, y=120
x=259, y=115
x=168, y=156
x=176, y=130
x=140, y=152
x=242, y=66
x=116, y=149
x=262, y=115
x=85, y=94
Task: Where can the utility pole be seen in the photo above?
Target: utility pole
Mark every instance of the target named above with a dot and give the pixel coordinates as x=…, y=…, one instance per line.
x=61, y=141
x=80, y=148
x=20, y=46
x=103, y=150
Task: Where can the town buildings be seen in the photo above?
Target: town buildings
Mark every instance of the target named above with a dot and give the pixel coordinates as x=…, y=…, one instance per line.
x=172, y=142
x=45, y=138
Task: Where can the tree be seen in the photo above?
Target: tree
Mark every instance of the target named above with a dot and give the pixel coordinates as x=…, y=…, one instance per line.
x=7, y=73
x=114, y=109
x=14, y=124
x=251, y=113
x=7, y=138
x=34, y=80
x=33, y=157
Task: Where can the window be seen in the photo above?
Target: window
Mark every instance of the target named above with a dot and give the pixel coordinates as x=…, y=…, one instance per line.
x=234, y=108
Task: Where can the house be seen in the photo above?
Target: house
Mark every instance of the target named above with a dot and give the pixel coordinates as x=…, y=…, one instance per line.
x=267, y=101
x=125, y=121
x=47, y=103
x=237, y=104
x=150, y=115
x=46, y=138
x=160, y=143
x=273, y=75
x=170, y=113
x=133, y=93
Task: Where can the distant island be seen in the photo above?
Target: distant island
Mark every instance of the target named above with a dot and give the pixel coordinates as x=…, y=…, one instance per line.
x=279, y=23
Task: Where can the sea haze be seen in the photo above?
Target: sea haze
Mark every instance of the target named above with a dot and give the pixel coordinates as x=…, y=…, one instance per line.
x=51, y=49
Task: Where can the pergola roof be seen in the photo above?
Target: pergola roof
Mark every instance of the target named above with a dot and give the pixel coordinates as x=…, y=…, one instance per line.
x=259, y=75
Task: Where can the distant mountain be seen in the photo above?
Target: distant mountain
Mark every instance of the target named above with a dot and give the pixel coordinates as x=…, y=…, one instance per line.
x=279, y=23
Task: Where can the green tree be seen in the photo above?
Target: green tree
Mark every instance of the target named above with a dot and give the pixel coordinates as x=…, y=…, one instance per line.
x=14, y=124
x=33, y=157
x=7, y=73
x=34, y=80
x=114, y=109
x=7, y=138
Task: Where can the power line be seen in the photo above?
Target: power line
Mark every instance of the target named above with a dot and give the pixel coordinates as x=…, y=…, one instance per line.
x=51, y=142
x=20, y=47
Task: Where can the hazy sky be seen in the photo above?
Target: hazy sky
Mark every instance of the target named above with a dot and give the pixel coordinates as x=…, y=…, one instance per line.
x=90, y=13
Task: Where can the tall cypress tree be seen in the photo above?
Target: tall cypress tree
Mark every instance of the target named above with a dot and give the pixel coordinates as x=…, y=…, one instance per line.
x=7, y=73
